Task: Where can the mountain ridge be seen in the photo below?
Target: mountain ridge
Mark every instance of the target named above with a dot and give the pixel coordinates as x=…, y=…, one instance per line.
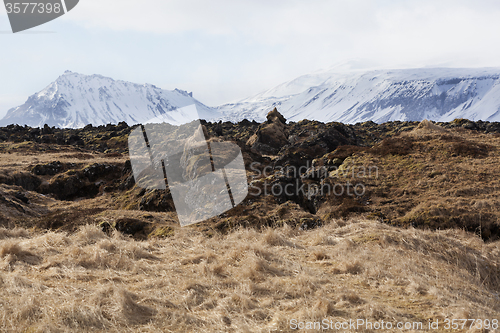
x=348, y=96
x=75, y=100
x=380, y=96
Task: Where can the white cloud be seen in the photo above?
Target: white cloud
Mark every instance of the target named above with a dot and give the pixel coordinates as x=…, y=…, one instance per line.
x=317, y=31
x=230, y=49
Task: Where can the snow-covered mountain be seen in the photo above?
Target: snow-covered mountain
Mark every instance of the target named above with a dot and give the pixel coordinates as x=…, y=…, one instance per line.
x=338, y=94
x=75, y=100
x=440, y=94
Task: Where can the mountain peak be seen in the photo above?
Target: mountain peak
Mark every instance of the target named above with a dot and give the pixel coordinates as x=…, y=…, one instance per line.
x=76, y=100
x=69, y=74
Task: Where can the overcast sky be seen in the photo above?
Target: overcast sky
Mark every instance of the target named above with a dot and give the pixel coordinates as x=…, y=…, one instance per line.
x=226, y=50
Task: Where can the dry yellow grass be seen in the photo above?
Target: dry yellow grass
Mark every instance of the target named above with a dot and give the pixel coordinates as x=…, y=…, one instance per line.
x=23, y=160
x=245, y=281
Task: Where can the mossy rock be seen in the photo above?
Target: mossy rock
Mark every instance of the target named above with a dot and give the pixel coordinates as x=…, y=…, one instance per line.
x=337, y=162
x=307, y=223
x=128, y=226
x=162, y=232
x=460, y=121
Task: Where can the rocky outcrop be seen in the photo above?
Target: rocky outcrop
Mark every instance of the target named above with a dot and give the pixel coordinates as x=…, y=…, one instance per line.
x=52, y=168
x=26, y=180
x=157, y=201
x=270, y=136
x=314, y=143
x=85, y=183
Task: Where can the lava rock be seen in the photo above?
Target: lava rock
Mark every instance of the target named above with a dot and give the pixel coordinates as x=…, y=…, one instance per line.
x=130, y=226
x=52, y=168
x=272, y=135
x=22, y=197
x=157, y=201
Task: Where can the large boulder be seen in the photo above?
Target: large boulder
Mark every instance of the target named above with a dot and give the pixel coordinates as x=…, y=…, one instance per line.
x=270, y=136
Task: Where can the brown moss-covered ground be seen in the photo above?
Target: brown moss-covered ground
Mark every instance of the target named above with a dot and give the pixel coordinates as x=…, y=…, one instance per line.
x=430, y=180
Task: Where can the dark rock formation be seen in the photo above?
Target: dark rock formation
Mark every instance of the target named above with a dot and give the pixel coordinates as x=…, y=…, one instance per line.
x=157, y=201
x=271, y=135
